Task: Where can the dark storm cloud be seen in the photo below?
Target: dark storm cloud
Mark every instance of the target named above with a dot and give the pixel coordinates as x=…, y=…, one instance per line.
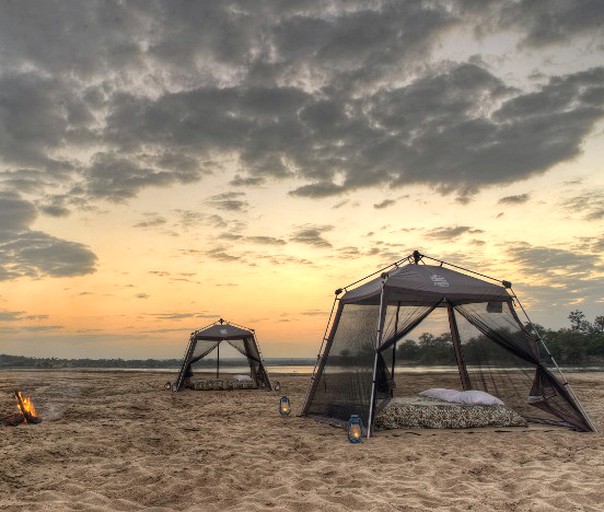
x=32, y=253
x=561, y=279
x=281, y=259
x=340, y=204
x=447, y=233
x=220, y=254
x=349, y=252
x=555, y=266
x=547, y=23
x=152, y=220
x=313, y=312
x=16, y=214
x=593, y=245
x=26, y=181
x=229, y=201
x=384, y=204
x=311, y=235
x=338, y=96
x=590, y=204
x=265, y=240
x=239, y=181
x=189, y=219
x=41, y=328
x=517, y=199
x=598, y=245
x=316, y=190
x=117, y=178
x=172, y=316
x=33, y=120
x=54, y=207
x=16, y=316
x=230, y=236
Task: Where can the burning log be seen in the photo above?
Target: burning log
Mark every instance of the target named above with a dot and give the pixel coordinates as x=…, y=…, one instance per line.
x=27, y=412
x=27, y=408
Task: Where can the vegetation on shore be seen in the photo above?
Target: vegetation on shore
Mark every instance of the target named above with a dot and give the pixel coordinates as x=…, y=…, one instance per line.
x=581, y=344
x=24, y=362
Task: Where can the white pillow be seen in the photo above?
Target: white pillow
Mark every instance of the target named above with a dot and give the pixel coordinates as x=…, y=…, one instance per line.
x=242, y=378
x=476, y=397
x=447, y=395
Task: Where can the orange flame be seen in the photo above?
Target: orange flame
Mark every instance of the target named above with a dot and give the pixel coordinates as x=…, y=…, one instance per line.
x=26, y=406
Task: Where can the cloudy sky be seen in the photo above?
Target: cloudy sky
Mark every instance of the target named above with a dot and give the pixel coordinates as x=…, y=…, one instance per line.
x=163, y=164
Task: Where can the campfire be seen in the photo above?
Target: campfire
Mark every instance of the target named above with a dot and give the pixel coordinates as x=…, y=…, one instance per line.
x=26, y=411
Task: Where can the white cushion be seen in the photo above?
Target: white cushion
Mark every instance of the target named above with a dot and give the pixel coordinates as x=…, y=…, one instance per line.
x=476, y=397
x=447, y=395
x=242, y=378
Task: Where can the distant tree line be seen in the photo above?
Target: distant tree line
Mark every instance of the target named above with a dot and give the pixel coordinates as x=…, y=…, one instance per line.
x=580, y=344
x=8, y=361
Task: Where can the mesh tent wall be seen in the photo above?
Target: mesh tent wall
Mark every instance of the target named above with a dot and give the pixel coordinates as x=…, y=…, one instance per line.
x=205, y=341
x=487, y=345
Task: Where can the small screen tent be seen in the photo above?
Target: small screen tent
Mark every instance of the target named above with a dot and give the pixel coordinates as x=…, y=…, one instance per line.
x=203, y=354
x=369, y=355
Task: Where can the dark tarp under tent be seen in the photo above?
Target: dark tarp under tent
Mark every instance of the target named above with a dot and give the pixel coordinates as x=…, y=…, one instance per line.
x=359, y=369
x=208, y=340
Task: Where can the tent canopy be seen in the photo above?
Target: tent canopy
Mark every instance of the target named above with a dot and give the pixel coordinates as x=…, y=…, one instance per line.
x=486, y=345
x=425, y=284
x=205, y=341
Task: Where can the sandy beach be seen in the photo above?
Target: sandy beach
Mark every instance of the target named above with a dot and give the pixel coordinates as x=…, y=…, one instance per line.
x=118, y=441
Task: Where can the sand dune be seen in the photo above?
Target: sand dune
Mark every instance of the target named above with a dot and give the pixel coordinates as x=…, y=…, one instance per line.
x=118, y=441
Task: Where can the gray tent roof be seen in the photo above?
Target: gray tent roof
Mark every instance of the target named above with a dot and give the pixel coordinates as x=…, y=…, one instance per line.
x=223, y=331
x=427, y=284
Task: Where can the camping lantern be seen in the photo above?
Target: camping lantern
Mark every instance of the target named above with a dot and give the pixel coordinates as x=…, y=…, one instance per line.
x=354, y=427
x=284, y=406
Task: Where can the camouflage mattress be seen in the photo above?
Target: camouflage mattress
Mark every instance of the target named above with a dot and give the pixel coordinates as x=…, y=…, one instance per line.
x=420, y=412
x=220, y=384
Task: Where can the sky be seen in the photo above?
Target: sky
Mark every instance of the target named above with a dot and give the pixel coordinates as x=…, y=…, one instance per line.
x=167, y=163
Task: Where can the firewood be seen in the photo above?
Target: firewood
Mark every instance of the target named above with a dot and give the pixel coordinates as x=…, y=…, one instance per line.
x=29, y=418
x=12, y=420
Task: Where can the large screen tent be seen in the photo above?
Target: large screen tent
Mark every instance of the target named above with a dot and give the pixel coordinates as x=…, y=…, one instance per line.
x=203, y=354
x=365, y=359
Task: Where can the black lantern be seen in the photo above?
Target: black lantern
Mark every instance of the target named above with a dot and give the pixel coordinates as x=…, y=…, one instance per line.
x=284, y=406
x=354, y=427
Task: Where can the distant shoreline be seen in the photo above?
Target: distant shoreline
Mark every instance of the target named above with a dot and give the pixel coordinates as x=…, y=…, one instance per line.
x=52, y=363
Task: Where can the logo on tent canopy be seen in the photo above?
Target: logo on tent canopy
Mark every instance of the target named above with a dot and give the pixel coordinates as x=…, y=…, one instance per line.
x=439, y=281
x=224, y=331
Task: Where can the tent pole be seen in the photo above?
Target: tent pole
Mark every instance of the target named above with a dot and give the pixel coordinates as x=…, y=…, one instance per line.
x=378, y=342
x=186, y=363
x=565, y=382
x=398, y=308
x=324, y=349
x=380, y=271
x=218, y=359
x=461, y=365
x=254, y=340
x=442, y=262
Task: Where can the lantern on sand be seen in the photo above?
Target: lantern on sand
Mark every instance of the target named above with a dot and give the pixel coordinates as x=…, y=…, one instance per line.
x=354, y=428
x=284, y=406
